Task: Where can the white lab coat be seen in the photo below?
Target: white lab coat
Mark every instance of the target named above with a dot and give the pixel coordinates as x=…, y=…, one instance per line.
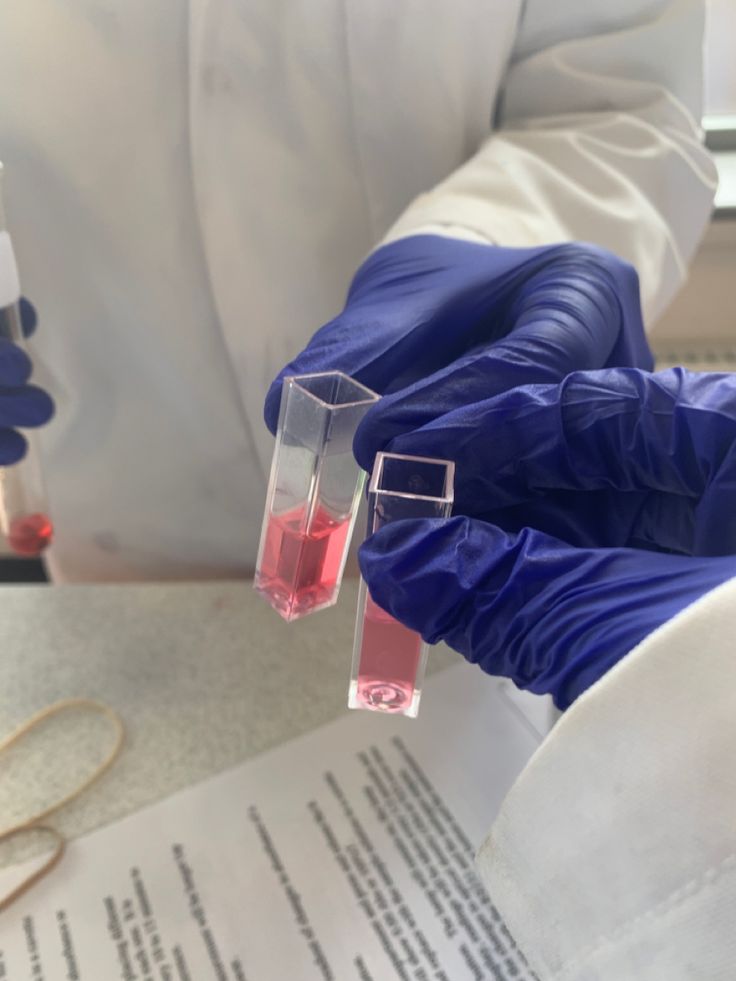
x=614, y=856
x=191, y=186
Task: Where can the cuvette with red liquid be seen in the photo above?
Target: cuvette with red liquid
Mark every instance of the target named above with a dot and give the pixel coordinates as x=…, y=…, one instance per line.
x=389, y=659
x=313, y=493
x=24, y=518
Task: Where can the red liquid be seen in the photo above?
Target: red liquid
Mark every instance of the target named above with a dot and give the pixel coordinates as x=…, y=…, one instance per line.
x=389, y=659
x=298, y=571
x=30, y=534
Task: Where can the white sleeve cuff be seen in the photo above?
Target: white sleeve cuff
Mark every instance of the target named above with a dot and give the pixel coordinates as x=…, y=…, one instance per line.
x=529, y=188
x=614, y=855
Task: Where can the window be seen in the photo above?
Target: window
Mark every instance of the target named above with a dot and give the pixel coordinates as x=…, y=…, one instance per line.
x=720, y=63
x=720, y=100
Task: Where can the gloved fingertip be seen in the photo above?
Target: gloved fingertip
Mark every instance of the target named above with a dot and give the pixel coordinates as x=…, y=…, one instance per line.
x=376, y=432
x=272, y=405
x=13, y=447
x=28, y=317
x=15, y=365
x=416, y=570
x=379, y=553
x=392, y=540
x=39, y=407
x=380, y=558
x=396, y=559
x=26, y=406
x=364, y=444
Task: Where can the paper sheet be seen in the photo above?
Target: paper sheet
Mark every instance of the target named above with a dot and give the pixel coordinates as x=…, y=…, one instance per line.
x=346, y=854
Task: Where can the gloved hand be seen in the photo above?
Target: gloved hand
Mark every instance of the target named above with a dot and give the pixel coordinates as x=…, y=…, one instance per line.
x=551, y=616
x=434, y=323
x=21, y=404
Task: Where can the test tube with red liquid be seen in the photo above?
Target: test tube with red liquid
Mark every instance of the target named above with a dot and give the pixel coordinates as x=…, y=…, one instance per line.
x=24, y=515
x=313, y=493
x=389, y=660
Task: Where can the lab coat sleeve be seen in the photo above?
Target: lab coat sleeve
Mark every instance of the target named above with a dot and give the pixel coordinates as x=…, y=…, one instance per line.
x=614, y=855
x=597, y=139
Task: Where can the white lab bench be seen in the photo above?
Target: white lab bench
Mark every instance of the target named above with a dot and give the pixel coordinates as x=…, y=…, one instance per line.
x=205, y=675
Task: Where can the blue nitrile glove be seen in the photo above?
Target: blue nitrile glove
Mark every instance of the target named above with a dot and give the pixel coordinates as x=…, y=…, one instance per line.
x=618, y=457
x=21, y=404
x=549, y=615
x=552, y=617
x=440, y=323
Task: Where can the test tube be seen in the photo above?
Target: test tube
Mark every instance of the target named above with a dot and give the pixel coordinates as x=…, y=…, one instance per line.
x=389, y=660
x=24, y=516
x=313, y=493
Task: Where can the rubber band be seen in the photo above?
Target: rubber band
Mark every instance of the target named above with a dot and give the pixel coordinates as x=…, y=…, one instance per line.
x=34, y=823
x=43, y=870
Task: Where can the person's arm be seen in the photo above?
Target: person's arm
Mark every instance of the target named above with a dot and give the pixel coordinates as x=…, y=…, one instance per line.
x=614, y=855
x=597, y=140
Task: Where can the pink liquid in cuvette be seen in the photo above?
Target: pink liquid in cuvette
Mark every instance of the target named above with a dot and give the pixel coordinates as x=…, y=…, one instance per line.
x=389, y=660
x=299, y=570
x=30, y=534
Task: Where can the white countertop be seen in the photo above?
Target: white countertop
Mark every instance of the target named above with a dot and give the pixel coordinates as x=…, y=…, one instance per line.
x=205, y=675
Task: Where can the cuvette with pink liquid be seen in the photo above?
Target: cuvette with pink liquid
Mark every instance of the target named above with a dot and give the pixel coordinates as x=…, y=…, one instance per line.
x=313, y=493
x=389, y=659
